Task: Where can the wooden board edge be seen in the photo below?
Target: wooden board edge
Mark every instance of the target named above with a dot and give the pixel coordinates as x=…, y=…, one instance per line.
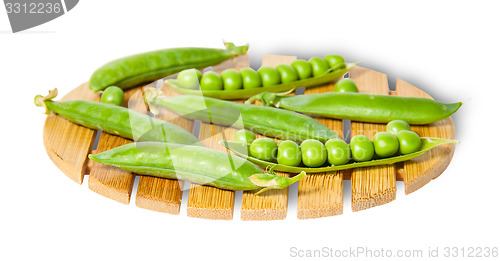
x=335, y=206
x=320, y=212
x=158, y=194
x=262, y=214
x=158, y=206
x=416, y=184
x=72, y=172
x=214, y=214
x=378, y=200
x=429, y=174
x=111, y=193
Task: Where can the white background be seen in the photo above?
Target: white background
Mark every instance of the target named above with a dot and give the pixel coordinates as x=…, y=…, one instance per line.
x=449, y=49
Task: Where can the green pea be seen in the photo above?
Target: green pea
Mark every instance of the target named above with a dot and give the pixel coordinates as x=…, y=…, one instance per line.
x=346, y=85
x=334, y=60
x=303, y=68
x=211, y=81
x=251, y=78
x=231, y=79
x=189, y=79
x=289, y=153
x=264, y=149
x=339, y=152
x=269, y=76
x=319, y=66
x=396, y=126
x=113, y=95
x=287, y=73
x=313, y=153
x=409, y=142
x=245, y=136
x=362, y=148
x=386, y=144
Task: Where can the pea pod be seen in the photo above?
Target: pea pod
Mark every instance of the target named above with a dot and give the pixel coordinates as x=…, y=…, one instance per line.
x=362, y=106
x=241, y=149
x=260, y=119
x=329, y=76
x=133, y=70
x=116, y=120
x=195, y=164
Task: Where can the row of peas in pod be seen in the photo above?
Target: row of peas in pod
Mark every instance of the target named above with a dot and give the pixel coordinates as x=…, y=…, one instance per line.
x=265, y=76
x=397, y=140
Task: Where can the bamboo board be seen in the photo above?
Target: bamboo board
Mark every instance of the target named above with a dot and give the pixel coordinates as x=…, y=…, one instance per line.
x=319, y=195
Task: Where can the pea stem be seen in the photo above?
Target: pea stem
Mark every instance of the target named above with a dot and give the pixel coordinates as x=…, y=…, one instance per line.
x=40, y=100
x=253, y=98
x=273, y=181
x=236, y=50
x=268, y=98
x=150, y=95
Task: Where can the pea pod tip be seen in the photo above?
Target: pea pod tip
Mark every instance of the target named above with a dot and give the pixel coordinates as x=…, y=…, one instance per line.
x=237, y=50
x=97, y=158
x=273, y=181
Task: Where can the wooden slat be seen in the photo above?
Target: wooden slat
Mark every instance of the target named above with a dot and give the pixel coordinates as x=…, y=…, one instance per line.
x=272, y=204
x=321, y=194
x=109, y=181
x=421, y=170
x=210, y=202
x=163, y=195
x=371, y=186
x=66, y=143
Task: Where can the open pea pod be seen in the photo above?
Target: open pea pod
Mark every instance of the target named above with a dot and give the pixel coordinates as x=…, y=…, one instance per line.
x=329, y=76
x=241, y=149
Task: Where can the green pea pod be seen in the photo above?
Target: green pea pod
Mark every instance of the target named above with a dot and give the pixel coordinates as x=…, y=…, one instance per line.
x=362, y=106
x=268, y=121
x=195, y=164
x=241, y=149
x=330, y=76
x=147, y=67
x=116, y=120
